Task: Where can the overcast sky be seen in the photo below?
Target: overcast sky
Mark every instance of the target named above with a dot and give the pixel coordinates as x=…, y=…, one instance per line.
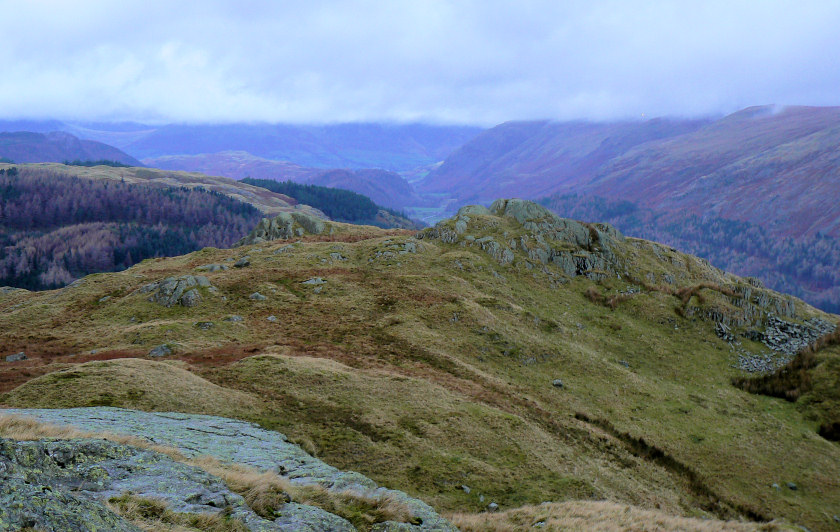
x=473, y=62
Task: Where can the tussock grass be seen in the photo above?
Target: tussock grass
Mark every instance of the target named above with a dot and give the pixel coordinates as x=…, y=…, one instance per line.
x=595, y=516
x=263, y=491
x=153, y=515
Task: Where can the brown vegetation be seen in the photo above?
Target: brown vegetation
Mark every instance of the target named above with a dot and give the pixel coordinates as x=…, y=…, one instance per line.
x=794, y=378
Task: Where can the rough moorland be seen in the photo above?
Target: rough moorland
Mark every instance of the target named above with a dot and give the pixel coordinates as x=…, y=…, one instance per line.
x=504, y=357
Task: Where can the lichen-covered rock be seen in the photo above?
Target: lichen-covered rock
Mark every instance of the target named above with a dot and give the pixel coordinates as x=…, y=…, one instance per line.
x=66, y=483
x=283, y=226
x=177, y=290
x=239, y=442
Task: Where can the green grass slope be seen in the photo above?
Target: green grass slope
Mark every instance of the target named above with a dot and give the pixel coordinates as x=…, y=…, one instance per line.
x=428, y=363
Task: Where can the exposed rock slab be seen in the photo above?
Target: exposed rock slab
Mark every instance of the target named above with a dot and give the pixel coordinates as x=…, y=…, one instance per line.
x=234, y=441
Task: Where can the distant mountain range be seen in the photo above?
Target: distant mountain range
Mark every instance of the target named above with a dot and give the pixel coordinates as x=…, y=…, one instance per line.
x=395, y=147
x=57, y=146
x=382, y=186
x=779, y=167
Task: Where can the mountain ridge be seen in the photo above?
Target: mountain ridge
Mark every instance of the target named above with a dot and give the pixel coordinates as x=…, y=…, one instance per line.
x=58, y=146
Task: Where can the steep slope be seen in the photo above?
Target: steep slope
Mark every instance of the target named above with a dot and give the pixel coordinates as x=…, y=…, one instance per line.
x=505, y=355
x=27, y=147
x=535, y=159
x=775, y=167
x=384, y=187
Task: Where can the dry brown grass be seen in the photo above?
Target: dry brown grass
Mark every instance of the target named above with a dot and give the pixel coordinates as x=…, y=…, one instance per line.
x=263, y=491
x=595, y=516
x=131, y=383
x=794, y=378
x=153, y=515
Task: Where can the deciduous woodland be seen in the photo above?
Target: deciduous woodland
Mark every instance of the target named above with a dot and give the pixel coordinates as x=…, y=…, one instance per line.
x=55, y=228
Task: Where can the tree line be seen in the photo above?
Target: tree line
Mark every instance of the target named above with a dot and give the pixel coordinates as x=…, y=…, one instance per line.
x=339, y=204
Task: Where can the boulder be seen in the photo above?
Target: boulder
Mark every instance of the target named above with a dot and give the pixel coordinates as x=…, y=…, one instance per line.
x=241, y=263
x=17, y=357
x=256, y=296
x=162, y=350
x=177, y=290
x=473, y=209
x=284, y=226
x=212, y=268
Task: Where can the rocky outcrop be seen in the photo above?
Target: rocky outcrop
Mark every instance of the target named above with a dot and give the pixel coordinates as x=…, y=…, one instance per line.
x=284, y=226
x=546, y=239
x=228, y=440
x=173, y=291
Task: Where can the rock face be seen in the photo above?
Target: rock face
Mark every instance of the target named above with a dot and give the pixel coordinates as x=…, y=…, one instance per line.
x=177, y=290
x=284, y=226
x=122, y=468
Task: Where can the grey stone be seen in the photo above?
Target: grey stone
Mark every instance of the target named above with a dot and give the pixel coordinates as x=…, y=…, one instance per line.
x=284, y=226
x=314, y=280
x=104, y=299
x=473, y=209
x=191, y=298
x=792, y=486
x=776, y=487
x=173, y=290
x=83, y=474
x=465, y=488
x=234, y=318
x=256, y=296
x=205, y=325
x=235, y=441
x=160, y=351
x=272, y=318
x=337, y=256
x=212, y=268
x=243, y=262
x=492, y=507
x=557, y=383
x=16, y=357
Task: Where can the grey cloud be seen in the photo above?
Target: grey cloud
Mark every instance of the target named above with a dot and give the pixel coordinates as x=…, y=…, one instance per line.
x=438, y=61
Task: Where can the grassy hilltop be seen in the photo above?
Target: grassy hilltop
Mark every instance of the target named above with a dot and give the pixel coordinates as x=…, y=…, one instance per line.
x=502, y=356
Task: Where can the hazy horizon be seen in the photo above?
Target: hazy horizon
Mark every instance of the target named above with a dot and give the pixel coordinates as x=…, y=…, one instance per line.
x=435, y=62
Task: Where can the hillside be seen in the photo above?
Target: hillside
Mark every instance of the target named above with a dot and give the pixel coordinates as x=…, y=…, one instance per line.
x=504, y=356
x=383, y=187
x=771, y=173
x=806, y=266
x=395, y=147
x=536, y=159
x=339, y=204
x=59, y=222
x=55, y=228
x=56, y=146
